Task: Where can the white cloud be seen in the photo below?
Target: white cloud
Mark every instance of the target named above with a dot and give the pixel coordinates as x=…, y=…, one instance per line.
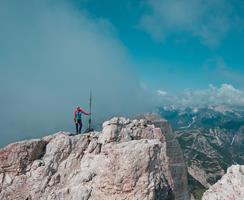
x=209, y=20
x=225, y=94
x=161, y=93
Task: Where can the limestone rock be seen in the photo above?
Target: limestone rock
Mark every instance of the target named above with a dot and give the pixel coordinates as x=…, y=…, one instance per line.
x=230, y=186
x=128, y=160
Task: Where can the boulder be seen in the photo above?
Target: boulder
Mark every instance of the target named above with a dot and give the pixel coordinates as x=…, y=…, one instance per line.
x=229, y=187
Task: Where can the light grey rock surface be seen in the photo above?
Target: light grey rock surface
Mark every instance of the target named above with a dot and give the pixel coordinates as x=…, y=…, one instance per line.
x=229, y=187
x=128, y=160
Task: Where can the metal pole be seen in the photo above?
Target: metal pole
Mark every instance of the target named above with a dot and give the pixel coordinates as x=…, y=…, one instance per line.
x=90, y=109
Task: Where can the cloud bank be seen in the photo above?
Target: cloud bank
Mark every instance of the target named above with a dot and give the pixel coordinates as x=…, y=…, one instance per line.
x=226, y=94
x=208, y=20
x=51, y=56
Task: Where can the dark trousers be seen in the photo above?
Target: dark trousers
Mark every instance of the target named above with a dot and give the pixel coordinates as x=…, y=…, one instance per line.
x=78, y=126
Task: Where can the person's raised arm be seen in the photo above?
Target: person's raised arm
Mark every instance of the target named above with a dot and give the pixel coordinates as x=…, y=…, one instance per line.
x=84, y=112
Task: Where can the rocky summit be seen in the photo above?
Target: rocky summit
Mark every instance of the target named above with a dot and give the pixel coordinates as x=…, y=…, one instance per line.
x=127, y=160
x=229, y=187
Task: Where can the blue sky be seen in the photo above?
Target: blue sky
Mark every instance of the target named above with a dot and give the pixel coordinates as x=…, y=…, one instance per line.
x=174, y=53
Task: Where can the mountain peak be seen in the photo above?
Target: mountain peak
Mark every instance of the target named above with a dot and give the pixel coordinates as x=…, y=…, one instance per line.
x=129, y=159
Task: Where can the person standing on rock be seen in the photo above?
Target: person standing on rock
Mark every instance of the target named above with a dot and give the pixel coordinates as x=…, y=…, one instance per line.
x=78, y=118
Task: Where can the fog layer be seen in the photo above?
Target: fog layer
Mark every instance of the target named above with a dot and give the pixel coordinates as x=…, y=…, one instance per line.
x=52, y=54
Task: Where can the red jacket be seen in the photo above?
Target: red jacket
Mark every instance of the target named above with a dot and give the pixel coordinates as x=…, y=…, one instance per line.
x=79, y=110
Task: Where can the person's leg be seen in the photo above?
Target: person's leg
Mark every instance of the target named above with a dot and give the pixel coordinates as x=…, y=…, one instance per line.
x=76, y=127
x=80, y=126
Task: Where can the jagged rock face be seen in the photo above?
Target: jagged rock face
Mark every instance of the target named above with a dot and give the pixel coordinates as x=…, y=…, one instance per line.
x=127, y=160
x=229, y=187
x=211, y=138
